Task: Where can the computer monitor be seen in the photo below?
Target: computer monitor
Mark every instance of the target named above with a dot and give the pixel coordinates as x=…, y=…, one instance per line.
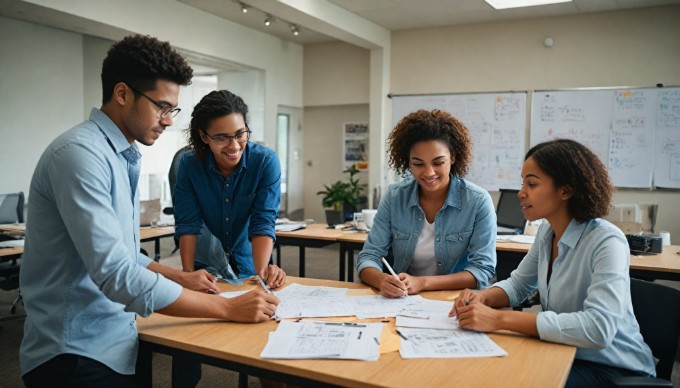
x=509, y=216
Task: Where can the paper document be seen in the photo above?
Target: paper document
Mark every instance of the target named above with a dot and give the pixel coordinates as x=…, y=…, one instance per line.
x=288, y=227
x=336, y=340
x=429, y=314
x=516, y=238
x=13, y=227
x=378, y=306
x=11, y=243
x=298, y=301
x=431, y=343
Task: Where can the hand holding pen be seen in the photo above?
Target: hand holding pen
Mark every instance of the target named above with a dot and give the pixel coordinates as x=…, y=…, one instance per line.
x=465, y=298
x=398, y=284
x=268, y=291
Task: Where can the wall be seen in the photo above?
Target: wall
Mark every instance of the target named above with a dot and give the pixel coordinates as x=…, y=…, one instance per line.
x=627, y=48
x=41, y=90
x=323, y=151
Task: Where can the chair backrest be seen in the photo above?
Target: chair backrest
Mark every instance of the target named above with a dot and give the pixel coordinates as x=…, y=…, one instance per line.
x=174, y=167
x=12, y=208
x=657, y=310
x=509, y=212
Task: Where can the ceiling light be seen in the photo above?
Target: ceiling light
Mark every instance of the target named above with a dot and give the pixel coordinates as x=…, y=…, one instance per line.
x=269, y=20
x=504, y=4
x=244, y=8
x=294, y=29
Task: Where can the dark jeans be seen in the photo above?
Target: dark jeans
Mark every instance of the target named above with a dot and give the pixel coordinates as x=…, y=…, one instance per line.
x=70, y=370
x=591, y=374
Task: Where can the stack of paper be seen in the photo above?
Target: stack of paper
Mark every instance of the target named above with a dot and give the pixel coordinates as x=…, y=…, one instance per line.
x=431, y=343
x=336, y=340
x=429, y=314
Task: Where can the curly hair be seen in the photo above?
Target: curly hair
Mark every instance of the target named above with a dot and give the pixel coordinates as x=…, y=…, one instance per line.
x=423, y=125
x=216, y=104
x=140, y=61
x=572, y=164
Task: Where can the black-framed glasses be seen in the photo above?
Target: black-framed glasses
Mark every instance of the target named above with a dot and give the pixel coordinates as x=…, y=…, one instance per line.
x=222, y=140
x=163, y=110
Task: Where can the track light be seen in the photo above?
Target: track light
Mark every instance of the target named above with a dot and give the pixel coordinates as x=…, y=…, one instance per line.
x=294, y=29
x=244, y=8
x=269, y=20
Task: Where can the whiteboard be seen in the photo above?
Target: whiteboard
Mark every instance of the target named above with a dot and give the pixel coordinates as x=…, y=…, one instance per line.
x=634, y=131
x=497, y=125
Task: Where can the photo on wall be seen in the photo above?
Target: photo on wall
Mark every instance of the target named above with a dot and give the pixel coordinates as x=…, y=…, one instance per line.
x=355, y=145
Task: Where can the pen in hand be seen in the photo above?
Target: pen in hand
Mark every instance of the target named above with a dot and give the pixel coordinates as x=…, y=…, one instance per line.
x=268, y=291
x=389, y=268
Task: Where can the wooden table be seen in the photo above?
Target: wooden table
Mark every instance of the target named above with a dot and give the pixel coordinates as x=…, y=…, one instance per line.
x=665, y=265
x=9, y=254
x=313, y=236
x=530, y=362
x=155, y=234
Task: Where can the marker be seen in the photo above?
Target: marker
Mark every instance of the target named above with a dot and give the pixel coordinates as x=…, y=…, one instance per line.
x=342, y=324
x=268, y=291
x=389, y=268
x=402, y=336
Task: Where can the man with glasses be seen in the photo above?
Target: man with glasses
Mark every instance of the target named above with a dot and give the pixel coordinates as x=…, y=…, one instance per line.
x=227, y=199
x=82, y=277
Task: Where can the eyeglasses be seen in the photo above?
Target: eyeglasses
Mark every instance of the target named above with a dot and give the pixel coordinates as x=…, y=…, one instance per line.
x=221, y=140
x=163, y=110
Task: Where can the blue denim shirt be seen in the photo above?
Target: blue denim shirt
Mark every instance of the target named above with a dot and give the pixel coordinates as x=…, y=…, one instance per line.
x=587, y=301
x=234, y=209
x=82, y=276
x=464, y=230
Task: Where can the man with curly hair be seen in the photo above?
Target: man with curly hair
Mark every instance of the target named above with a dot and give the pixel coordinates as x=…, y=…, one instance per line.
x=438, y=229
x=82, y=276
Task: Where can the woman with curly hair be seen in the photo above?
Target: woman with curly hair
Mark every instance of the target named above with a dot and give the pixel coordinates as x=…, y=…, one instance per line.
x=579, y=264
x=437, y=228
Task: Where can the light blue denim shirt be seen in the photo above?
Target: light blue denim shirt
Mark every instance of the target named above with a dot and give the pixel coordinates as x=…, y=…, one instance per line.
x=464, y=230
x=587, y=303
x=82, y=276
x=233, y=209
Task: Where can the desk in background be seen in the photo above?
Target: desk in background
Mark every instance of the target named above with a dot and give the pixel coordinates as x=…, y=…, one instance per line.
x=145, y=234
x=155, y=234
x=237, y=347
x=313, y=236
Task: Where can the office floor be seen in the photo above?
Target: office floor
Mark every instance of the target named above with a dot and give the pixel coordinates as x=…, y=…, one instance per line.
x=321, y=263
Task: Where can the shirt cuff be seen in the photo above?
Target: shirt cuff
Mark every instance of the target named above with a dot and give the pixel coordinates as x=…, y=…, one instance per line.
x=482, y=279
x=548, y=327
x=510, y=291
x=368, y=263
x=162, y=293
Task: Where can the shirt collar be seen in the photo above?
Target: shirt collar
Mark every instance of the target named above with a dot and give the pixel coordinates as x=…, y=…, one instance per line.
x=243, y=164
x=452, y=198
x=571, y=235
x=115, y=136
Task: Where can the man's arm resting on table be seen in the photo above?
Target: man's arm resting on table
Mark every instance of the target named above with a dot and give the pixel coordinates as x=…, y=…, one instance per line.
x=200, y=281
x=254, y=306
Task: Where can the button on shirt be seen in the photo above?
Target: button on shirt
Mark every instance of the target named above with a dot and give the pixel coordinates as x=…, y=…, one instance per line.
x=234, y=209
x=587, y=301
x=82, y=276
x=464, y=230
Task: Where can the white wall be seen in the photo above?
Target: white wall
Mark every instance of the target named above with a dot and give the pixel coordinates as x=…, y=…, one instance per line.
x=41, y=94
x=627, y=48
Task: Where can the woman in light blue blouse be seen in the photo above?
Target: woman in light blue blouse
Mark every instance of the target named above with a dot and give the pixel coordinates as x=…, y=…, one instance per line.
x=437, y=228
x=579, y=264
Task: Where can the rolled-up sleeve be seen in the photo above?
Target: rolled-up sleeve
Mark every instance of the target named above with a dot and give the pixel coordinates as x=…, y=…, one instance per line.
x=379, y=239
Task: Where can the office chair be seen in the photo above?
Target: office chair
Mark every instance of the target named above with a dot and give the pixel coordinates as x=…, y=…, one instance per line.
x=12, y=208
x=172, y=180
x=11, y=211
x=657, y=310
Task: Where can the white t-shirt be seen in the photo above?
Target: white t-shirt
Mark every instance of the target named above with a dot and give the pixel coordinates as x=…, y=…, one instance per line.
x=424, y=263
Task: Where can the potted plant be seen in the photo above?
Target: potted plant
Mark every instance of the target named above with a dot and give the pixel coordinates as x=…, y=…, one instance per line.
x=341, y=198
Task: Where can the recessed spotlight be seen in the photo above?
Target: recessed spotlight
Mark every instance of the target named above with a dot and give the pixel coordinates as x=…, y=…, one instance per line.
x=268, y=21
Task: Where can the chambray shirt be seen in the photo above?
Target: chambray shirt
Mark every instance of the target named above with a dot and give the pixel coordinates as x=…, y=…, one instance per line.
x=82, y=276
x=587, y=302
x=234, y=209
x=464, y=230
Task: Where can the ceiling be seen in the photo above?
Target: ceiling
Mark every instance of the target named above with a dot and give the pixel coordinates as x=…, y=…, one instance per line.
x=411, y=14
